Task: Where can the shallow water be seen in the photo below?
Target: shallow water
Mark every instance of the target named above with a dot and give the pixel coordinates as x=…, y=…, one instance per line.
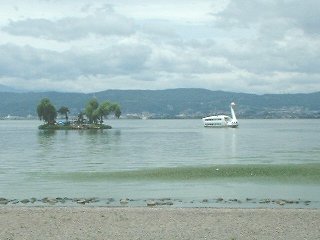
x=175, y=159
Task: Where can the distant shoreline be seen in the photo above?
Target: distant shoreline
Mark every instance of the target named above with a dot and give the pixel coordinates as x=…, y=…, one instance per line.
x=17, y=118
x=157, y=223
x=175, y=103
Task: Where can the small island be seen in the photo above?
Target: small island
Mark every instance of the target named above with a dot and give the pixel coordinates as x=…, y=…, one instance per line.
x=92, y=117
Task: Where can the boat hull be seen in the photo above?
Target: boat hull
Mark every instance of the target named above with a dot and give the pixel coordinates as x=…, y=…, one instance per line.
x=223, y=125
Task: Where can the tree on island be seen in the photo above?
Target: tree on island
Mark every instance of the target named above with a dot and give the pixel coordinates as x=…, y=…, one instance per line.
x=96, y=112
x=46, y=111
x=64, y=111
x=91, y=112
x=106, y=108
x=115, y=108
x=103, y=110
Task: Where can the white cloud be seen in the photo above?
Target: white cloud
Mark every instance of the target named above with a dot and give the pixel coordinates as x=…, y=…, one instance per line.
x=72, y=28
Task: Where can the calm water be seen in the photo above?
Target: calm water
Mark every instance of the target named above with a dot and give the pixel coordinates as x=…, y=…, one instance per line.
x=176, y=159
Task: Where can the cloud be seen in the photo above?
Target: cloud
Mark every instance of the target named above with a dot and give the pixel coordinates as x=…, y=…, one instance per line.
x=284, y=38
x=255, y=46
x=272, y=14
x=31, y=63
x=102, y=23
x=130, y=56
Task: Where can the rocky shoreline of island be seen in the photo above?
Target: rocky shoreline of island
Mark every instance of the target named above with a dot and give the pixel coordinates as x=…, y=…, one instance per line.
x=74, y=126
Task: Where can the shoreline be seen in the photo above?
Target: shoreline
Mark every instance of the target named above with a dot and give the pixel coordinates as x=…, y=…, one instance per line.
x=247, y=203
x=74, y=127
x=157, y=223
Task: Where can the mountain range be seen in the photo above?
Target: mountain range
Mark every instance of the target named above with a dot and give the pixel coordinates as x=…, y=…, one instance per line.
x=4, y=88
x=171, y=103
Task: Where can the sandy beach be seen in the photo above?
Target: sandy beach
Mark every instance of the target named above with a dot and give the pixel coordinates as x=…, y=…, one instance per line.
x=157, y=223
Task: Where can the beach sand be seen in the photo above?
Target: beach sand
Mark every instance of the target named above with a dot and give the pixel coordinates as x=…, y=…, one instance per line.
x=157, y=223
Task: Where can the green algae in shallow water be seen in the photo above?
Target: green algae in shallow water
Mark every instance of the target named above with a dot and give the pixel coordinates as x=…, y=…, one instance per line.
x=294, y=173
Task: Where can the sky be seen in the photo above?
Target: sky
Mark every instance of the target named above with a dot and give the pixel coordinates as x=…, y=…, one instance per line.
x=249, y=46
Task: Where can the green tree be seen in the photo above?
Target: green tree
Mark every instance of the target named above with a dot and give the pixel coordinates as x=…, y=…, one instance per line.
x=106, y=108
x=64, y=111
x=95, y=112
x=46, y=111
x=91, y=111
x=103, y=110
x=115, y=108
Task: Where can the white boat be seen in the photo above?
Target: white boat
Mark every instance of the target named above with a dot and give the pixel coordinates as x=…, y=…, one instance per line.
x=222, y=120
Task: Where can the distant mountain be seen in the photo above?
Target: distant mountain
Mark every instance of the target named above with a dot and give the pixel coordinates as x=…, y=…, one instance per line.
x=172, y=103
x=4, y=88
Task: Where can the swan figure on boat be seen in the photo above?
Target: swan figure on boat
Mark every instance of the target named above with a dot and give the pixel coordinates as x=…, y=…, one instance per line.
x=222, y=120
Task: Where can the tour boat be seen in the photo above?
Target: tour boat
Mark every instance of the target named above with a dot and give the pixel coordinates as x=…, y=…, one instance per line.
x=222, y=120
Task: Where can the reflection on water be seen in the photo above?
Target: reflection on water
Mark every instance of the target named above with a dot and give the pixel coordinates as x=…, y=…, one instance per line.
x=45, y=137
x=233, y=144
x=76, y=150
x=94, y=136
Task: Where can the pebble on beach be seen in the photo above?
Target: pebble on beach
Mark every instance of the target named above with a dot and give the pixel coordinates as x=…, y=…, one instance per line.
x=25, y=201
x=124, y=201
x=4, y=201
x=150, y=202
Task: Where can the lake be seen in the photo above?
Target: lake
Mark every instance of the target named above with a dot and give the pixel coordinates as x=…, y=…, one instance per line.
x=259, y=164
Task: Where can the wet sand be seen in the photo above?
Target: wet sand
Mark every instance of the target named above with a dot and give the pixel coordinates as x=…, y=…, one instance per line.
x=157, y=223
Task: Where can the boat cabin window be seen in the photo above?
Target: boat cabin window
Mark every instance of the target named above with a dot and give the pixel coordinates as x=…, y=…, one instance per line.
x=213, y=119
x=214, y=124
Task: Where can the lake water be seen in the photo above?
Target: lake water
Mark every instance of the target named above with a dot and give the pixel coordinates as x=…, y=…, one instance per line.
x=179, y=160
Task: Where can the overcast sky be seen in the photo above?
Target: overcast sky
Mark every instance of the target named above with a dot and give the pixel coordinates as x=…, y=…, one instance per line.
x=251, y=46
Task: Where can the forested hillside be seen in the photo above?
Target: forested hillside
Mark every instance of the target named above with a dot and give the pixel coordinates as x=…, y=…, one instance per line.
x=172, y=103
